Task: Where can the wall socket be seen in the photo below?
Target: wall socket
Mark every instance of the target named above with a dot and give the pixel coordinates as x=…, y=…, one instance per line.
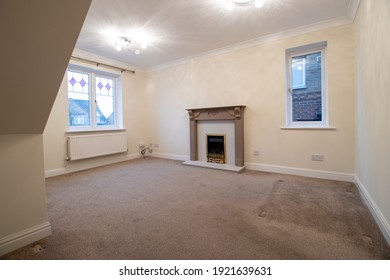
x=317, y=157
x=141, y=145
x=155, y=145
x=256, y=153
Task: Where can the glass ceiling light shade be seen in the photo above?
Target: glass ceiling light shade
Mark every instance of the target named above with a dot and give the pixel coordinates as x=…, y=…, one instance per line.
x=231, y=4
x=135, y=40
x=125, y=43
x=121, y=43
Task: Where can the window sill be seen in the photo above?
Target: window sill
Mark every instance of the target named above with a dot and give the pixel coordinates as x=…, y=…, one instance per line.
x=307, y=128
x=84, y=130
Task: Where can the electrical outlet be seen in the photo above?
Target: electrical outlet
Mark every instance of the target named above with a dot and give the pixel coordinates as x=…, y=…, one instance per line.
x=141, y=145
x=156, y=145
x=317, y=157
x=256, y=153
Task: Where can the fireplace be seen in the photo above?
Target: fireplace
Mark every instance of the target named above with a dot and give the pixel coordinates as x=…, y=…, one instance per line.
x=231, y=139
x=216, y=148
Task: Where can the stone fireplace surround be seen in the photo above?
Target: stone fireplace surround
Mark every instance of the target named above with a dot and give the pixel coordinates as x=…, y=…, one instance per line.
x=235, y=113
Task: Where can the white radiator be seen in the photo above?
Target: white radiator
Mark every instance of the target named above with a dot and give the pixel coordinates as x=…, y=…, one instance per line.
x=95, y=145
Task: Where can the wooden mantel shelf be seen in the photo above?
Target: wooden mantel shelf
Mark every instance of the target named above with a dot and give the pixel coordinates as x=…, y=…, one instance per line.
x=216, y=113
x=218, y=108
x=235, y=113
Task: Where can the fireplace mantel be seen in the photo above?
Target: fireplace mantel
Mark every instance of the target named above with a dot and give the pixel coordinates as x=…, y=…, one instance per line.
x=235, y=113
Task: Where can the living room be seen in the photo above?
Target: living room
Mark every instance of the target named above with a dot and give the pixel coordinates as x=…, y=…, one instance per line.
x=354, y=143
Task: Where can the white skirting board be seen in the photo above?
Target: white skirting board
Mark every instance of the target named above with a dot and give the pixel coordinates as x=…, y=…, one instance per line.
x=168, y=156
x=345, y=177
x=374, y=209
x=92, y=163
x=23, y=238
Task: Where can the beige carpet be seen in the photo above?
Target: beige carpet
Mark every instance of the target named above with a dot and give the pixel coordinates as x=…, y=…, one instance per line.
x=161, y=209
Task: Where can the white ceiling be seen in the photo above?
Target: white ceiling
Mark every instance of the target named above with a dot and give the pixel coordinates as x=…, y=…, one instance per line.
x=183, y=28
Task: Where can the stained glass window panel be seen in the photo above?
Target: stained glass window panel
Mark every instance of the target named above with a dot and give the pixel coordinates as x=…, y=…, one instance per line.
x=105, y=101
x=78, y=82
x=104, y=86
x=78, y=99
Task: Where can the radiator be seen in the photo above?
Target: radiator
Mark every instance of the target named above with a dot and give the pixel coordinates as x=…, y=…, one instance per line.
x=95, y=145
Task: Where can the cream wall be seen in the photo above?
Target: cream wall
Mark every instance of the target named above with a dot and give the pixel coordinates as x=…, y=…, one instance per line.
x=373, y=103
x=134, y=115
x=255, y=77
x=32, y=64
x=23, y=216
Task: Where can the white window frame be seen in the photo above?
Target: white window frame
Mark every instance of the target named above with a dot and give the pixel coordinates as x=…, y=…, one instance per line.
x=117, y=92
x=301, y=51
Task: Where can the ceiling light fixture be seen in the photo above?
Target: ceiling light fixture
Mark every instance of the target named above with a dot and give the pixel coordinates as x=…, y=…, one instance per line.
x=126, y=43
x=231, y=4
x=134, y=40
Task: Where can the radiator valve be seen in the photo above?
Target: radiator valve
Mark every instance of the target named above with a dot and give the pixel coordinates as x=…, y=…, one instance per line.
x=143, y=151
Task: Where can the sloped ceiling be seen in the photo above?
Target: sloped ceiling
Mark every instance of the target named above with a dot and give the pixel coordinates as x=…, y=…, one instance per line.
x=37, y=40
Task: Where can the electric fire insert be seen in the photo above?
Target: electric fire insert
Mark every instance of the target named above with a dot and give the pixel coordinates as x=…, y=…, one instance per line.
x=216, y=148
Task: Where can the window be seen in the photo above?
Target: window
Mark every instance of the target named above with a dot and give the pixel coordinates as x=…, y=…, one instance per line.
x=298, y=72
x=93, y=100
x=306, y=86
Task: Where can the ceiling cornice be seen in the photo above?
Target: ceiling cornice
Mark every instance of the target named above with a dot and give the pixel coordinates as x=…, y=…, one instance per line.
x=352, y=10
x=262, y=40
x=349, y=18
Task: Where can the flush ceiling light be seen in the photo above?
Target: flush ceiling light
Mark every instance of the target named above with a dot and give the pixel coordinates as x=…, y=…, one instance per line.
x=126, y=43
x=135, y=40
x=231, y=4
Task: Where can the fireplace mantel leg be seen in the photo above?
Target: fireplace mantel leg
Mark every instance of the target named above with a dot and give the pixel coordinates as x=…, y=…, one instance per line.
x=239, y=141
x=193, y=140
